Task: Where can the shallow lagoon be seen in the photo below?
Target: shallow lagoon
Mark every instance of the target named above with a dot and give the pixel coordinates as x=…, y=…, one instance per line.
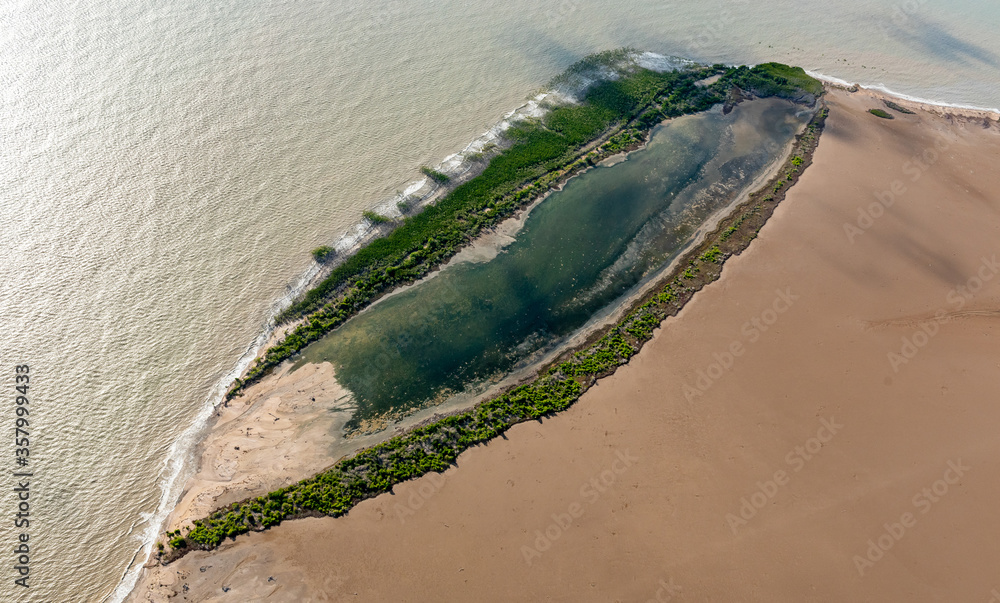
x=580, y=251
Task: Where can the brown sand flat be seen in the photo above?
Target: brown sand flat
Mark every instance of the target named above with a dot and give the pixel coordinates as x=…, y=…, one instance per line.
x=773, y=477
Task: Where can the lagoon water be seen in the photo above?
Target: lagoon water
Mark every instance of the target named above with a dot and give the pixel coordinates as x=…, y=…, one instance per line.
x=166, y=167
x=579, y=251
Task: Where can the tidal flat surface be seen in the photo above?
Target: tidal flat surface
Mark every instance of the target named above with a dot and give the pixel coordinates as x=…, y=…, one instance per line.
x=580, y=251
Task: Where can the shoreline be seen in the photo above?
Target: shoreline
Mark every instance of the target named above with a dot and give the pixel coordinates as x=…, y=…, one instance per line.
x=179, y=463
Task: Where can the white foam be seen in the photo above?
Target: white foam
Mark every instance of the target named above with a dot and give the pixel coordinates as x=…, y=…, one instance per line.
x=828, y=78
x=662, y=63
x=413, y=188
x=880, y=87
x=176, y=467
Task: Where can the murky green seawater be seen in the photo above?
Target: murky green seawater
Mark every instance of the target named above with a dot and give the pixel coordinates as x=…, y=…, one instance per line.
x=580, y=250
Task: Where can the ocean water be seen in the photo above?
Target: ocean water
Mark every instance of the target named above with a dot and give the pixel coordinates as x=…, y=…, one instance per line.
x=166, y=167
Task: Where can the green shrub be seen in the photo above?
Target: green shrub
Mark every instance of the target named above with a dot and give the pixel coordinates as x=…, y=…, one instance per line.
x=323, y=253
x=375, y=218
x=895, y=107
x=712, y=255
x=435, y=175
x=880, y=113
x=771, y=79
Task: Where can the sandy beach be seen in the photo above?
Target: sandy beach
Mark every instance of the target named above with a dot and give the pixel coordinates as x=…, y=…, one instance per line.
x=817, y=425
x=283, y=430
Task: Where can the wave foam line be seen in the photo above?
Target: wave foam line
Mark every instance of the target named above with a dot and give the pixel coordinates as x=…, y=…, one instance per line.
x=176, y=467
x=880, y=87
x=420, y=192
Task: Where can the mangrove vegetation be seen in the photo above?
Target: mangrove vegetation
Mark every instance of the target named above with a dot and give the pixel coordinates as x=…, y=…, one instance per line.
x=435, y=175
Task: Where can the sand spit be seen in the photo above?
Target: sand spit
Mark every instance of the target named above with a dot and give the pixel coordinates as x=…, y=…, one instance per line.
x=769, y=444
x=281, y=430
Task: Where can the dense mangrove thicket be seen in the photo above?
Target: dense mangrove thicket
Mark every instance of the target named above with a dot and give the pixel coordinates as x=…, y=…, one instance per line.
x=436, y=446
x=541, y=154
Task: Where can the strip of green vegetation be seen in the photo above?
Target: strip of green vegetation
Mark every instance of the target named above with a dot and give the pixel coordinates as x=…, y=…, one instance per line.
x=375, y=218
x=435, y=175
x=896, y=107
x=880, y=113
x=435, y=447
x=541, y=154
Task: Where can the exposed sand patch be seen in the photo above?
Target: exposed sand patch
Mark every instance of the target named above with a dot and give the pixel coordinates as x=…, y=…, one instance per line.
x=673, y=468
x=489, y=244
x=282, y=430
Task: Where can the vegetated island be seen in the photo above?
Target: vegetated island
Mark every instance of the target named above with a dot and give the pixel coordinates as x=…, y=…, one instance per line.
x=615, y=115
